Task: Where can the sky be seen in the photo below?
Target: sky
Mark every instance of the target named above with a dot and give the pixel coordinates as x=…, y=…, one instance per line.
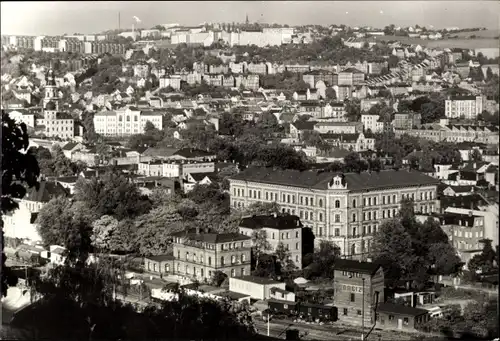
x=57, y=18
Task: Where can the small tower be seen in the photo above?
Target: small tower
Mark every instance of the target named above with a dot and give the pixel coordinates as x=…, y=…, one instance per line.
x=246, y=21
x=51, y=97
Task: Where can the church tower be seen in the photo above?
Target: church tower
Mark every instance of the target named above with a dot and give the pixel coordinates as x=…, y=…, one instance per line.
x=51, y=97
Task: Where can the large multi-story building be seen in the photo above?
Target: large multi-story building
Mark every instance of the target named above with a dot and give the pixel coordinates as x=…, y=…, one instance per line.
x=354, y=283
x=338, y=127
x=125, y=121
x=343, y=208
x=467, y=107
x=198, y=253
x=285, y=229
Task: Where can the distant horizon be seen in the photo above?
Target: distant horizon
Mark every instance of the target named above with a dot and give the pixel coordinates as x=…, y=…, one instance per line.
x=59, y=18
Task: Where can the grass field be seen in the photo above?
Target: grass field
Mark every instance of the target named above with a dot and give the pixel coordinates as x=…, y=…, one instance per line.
x=447, y=43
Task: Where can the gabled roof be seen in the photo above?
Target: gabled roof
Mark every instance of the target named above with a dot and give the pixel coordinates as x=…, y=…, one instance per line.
x=279, y=222
x=400, y=309
x=190, y=152
x=70, y=145
x=210, y=237
x=307, y=125
x=46, y=191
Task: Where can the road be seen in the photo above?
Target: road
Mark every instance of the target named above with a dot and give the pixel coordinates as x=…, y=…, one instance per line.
x=326, y=332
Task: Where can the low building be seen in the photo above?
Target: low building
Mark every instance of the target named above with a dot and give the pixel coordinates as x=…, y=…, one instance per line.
x=285, y=229
x=159, y=265
x=357, y=282
x=401, y=317
x=258, y=288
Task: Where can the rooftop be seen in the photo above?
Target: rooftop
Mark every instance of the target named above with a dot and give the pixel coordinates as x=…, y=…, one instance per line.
x=400, y=309
x=320, y=179
x=210, y=237
x=355, y=266
x=280, y=222
x=257, y=280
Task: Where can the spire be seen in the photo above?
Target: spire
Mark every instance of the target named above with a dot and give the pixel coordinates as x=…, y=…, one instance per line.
x=247, y=22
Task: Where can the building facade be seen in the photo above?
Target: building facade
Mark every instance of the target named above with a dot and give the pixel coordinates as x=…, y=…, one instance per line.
x=346, y=209
x=285, y=229
x=467, y=107
x=198, y=253
x=125, y=121
x=354, y=283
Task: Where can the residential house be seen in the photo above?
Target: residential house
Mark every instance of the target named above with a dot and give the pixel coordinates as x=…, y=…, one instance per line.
x=284, y=229
x=258, y=288
x=198, y=253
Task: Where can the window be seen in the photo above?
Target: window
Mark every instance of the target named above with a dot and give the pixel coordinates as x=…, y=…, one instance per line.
x=233, y=272
x=359, y=312
x=321, y=217
x=374, y=201
x=337, y=232
x=353, y=249
x=267, y=196
x=345, y=311
x=288, y=198
x=243, y=271
x=354, y=203
x=242, y=258
x=354, y=217
x=374, y=215
x=320, y=202
x=187, y=255
x=391, y=317
x=209, y=261
x=353, y=297
x=337, y=218
x=297, y=234
x=222, y=261
x=369, y=201
x=405, y=321
x=394, y=199
x=307, y=201
x=296, y=246
x=337, y=203
x=383, y=200
x=167, y=267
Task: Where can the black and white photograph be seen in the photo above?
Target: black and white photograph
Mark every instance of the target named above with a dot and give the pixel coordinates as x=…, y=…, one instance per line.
x=250, y=170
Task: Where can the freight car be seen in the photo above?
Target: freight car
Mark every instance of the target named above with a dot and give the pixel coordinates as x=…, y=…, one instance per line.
x=307, y=310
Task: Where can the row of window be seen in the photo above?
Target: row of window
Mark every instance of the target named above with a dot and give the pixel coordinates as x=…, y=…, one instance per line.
x=367, y=230
x=199, y=272
x=196, y=259
x=467, y=234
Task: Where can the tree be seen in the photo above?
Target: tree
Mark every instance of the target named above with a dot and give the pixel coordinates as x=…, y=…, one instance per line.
x=260, y=244
x=61, y=222
x=218, y=277
x=330, y=94
x=475, y=155
x=323, y=260
x=154, y=230
x=103, y=230
x=19, y=169
x=486, y=261
x=113, y=194
x=262, y=208
x=409, y=250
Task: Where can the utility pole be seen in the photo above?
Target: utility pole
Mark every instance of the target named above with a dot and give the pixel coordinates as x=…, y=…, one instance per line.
x=363, y=312
x=268, y=323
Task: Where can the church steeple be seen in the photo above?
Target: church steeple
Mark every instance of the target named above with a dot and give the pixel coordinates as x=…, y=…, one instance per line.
x=246, y=21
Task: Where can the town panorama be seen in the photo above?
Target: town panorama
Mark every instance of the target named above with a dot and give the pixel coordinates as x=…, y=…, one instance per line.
x=241, y=179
